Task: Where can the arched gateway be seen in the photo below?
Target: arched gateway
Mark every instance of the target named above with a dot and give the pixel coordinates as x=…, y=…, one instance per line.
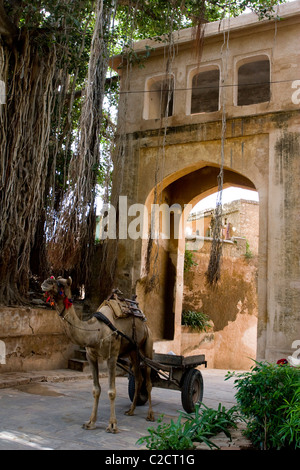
x=176, y=160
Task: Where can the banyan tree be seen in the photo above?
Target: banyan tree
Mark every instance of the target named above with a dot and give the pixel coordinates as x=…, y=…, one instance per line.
x=53, y=62
x=53, y=75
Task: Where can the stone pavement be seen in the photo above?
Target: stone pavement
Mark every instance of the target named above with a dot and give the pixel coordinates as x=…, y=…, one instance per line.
x=45, y=410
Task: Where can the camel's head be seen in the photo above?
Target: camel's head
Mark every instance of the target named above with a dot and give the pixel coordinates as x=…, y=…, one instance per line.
x=57, y=289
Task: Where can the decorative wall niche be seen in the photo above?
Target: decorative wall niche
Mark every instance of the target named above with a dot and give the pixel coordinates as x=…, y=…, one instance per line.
x=159, y=99
x=253, y=80
x=205, y=91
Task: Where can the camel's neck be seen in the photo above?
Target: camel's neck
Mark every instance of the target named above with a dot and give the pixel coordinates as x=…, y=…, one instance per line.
x=82, y=333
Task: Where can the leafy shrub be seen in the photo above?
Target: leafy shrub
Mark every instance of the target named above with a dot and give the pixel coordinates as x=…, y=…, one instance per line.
x=189, y=260
x=290, y=430
x=269, y=398
x=248, y=254
x=196, y=320
x=199, y=426
x=175, y=435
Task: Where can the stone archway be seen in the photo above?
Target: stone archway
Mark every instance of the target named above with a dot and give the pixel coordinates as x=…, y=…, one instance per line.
x=261, y=153
x=166, y=297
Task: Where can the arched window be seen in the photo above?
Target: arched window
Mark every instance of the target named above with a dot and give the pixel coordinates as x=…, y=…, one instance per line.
x=205, y=91
x=254, y=81
x=160, y=97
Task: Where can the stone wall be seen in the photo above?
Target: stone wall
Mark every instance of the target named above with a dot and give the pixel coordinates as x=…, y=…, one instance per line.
x=231, y=305
x=32, y=339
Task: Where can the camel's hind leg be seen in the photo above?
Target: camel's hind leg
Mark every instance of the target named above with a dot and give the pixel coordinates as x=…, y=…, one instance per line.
x=111, y=365
x=138, y=379
x=150, y=416
x=91, y=424
x=148, y=352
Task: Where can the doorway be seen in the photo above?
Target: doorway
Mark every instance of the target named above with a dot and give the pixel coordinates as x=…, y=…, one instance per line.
x=175, y=291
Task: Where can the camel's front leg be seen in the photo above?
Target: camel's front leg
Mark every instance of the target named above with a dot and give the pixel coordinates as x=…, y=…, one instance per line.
x=91, y=424
x=111, y=365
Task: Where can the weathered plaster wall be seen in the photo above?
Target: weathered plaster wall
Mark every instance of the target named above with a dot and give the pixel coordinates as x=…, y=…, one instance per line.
x=231, y=305
x=283, y=302
x=34, y=339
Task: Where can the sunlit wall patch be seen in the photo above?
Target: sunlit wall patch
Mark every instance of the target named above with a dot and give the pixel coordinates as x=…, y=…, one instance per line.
x=2, y=353
x=2, y=92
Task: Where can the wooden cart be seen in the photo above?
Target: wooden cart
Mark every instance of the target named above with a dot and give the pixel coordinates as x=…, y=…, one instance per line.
x=171, y=372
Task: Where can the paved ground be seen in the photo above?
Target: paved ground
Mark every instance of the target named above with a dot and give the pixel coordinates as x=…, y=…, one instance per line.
x=45, y=410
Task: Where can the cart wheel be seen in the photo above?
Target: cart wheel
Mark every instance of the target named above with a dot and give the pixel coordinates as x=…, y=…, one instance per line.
x=143, y=396
x=192, y=390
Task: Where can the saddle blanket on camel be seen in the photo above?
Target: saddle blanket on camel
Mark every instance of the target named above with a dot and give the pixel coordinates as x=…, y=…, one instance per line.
x=123, y=308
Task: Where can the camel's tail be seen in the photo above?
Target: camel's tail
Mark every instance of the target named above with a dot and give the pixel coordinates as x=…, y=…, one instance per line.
x=148, y=345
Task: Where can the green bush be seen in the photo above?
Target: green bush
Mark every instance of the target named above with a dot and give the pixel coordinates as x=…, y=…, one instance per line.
x=290, y=429
x=269, y=398
x=248, y=254
x=199, y=426
x=189, y=260
x=197, y=320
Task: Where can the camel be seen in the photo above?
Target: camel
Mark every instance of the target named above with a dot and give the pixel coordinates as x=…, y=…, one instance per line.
x=131, y=338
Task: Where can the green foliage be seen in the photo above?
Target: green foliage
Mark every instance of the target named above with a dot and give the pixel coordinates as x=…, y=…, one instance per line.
x=156, y=18
x=268, y=397
x=175, y=435
x=290, y=429
x=199, y=426
x=248, y=254
x=189, y=260
x=197, y=320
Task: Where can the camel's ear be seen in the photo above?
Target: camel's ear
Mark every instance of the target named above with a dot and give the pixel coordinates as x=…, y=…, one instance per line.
x=69, y=281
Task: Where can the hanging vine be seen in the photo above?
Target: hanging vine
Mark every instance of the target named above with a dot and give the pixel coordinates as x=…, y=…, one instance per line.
x=40, y=50
x=73, y=240
x=213, y=272
x=25, y=125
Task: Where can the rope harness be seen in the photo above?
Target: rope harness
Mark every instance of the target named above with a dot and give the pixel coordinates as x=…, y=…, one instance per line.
x=101, y=317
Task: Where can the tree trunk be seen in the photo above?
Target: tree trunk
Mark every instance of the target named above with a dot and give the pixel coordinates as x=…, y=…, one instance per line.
x=25, y=124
